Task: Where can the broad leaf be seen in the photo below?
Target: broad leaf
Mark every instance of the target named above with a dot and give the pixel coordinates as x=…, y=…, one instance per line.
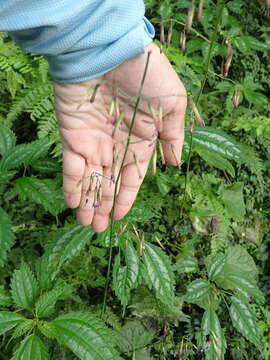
x=5, y=297
x=24, y=154
x=6, y=236
x=9, y=320
x=23, y=327
x=232, y=196
x=215, y=264
x=158, y=273
x=139, y=214
x=197, y=290
x=86, y=336
x=244, y=320
x=6, y=175
x=211, y=326
x=43, y=192
x=24, y=287
x=46, y=166
x=7, y=139
x=132, y=336
x=186, y=265
x=31, y=348
x=45, y=305
x=216, y=160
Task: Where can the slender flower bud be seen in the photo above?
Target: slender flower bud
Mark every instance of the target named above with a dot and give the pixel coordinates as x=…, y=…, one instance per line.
x=161, y=152
x=137, y=166
x=162, y=34
x=169, y=38
x=154, y=163
x=118, y=123
x=196, y=112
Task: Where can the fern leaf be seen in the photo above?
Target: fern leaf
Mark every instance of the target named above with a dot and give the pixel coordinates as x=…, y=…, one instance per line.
x=6, y=236
x=7, y=140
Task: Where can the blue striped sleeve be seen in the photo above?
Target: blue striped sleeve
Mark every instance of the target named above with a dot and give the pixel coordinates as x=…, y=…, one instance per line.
x=82, y=39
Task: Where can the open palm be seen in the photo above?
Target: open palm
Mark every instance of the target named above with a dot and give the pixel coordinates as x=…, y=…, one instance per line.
x=94, y=141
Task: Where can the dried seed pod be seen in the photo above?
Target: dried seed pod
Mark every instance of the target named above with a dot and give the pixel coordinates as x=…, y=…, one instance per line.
x=228, y=64
x=118, y=123
x=137, y=166
x=191, y=125
x=189, y=22
x=236, y=98
x=183, y=39
x=200, y=10
x=178, y=163
x=162, y=34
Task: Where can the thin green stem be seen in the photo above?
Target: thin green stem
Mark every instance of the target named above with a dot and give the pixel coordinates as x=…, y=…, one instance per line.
x=136, y=108
x=220, y=6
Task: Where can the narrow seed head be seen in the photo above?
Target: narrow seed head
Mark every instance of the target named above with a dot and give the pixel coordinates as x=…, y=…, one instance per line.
x=162, y=34
x=228, y=64
x=93, y=96
x=161, y=152
x=169, y=38
x=200, y=10
x=137, y=166
x=178, y=163
x=118, y=123
x=236, y=98
x=183, y=39
x=154, y=163
x=196, y=112
x=189, y=22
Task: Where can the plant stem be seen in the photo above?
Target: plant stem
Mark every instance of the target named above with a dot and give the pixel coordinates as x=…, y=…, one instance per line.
x=220, y=6
x=136, y=107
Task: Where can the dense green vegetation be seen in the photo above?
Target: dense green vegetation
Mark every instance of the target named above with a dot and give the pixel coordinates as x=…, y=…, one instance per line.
x=191, y=273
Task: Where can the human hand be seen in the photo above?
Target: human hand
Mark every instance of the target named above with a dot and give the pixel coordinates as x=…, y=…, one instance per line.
x=93, y=149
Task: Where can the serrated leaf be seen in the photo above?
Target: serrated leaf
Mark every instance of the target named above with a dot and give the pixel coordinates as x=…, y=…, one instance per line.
x=31, y=348
x=43, y=192
x=22, y=328
x=215, y=264
x=244, y=320
x=159, y=272
x=5, y=297
x=6, y=175
x=139, y=214
x=163, y=183
x=197, y=290
x=64, y=245
x=244, y=285
x=211, y=326
x=7, y=139
x=47, y=166
x=86, y=336
x=45, y=305
x=24, y=154
x=6, y=236
x=24, y=287
x=47, y=329
x=186, y=265
x=9, y=320
x=214, y=159
x=239, y=260
x=232, y=197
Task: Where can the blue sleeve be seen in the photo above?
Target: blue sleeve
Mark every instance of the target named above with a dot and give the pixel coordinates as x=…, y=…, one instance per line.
x=81, y=39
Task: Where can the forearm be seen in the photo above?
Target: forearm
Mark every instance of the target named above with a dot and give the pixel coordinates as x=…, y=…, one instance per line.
x=81, y=39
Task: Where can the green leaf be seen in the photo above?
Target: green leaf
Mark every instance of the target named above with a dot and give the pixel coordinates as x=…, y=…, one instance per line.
x=215, y=264
x=239, y=260
x=245, y=286
x=125, y=278
x=139, y=214
x=47, y=166
x=159, y=272
x=211, y=326
x=45, y=305
x=214, y=159
x=244, y=320
x=9, y=320
x=24, y=154
x=5, y=297
x=86, y=336
x=6, y=236
x=7, y=139
x=24, y=287
x=31, y=348
x=232, y=196
x=197, y=290
x=163, y=183
x=132, y=336
x=43, y=192
x=23, y=328
x=186, y=265
x=6, y=175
